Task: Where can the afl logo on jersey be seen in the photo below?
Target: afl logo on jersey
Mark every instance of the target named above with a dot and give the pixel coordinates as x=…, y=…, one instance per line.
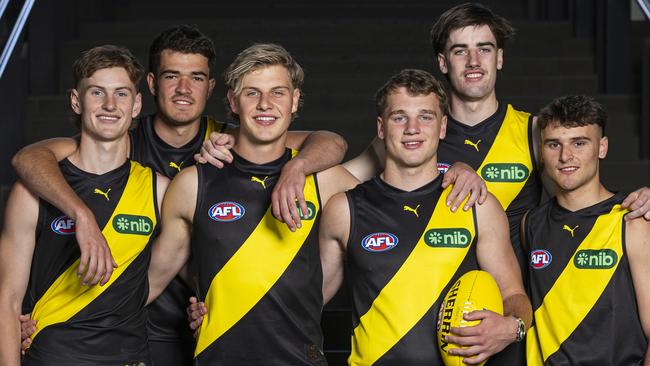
x=540, y=258
x=226, y=211
x=379, y=242
x=443, y=167
x=63, y=225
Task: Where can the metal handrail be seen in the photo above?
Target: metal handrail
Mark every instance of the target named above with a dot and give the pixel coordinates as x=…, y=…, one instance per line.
x=3, y=7
x=15, y=32
x=645, y=7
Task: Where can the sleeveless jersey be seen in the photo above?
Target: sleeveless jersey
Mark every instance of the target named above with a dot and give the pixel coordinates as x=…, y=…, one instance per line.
x=500, y=149
x=404, y=252
x=260, y=282
x=584, y=304
x=167, y=320
x=96, y=325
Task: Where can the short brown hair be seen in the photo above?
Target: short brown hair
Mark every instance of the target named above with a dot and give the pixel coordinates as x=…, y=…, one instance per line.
x=104, y=57
x=416, y=82
x=573, y=111
x=258, y=56
x=465, y=15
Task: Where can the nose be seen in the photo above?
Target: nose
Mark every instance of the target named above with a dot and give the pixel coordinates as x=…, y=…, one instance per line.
x=566, y=154
x=109, y=103
x=472, y=58
x=263, y=102
x=412, y=126
x=183, y=86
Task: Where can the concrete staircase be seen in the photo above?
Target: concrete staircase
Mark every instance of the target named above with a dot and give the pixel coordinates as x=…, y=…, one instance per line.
x=348, y=49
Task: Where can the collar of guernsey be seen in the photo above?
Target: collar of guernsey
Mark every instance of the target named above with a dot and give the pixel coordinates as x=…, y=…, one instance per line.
x=67, y=296
x=214, y=126
x=413, y=290
x=267, y=251
x=508, y=164
x=568, y=302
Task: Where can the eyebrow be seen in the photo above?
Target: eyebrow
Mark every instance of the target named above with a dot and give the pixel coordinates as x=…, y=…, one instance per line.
x=572, y=139
x=420, y=111
x=176, y=72
x=103, y=88
x=465, y=45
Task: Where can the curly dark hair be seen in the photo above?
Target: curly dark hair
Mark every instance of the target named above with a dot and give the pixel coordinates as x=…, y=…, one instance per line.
x=573, y=111
x=182, y=38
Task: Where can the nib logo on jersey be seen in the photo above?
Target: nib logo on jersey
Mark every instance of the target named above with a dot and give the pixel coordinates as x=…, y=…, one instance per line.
x=379, y=242
x=595, y=259
x=226, y=211
x=132, y=224
x=63, y=225
x=311, y=211
x=540, y=258
x=505, y=172
x=448, y=238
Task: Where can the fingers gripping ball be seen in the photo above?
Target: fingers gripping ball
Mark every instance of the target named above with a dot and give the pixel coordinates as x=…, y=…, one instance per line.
x=475, y=290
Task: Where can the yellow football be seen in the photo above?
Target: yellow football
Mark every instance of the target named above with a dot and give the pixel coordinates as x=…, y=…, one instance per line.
x=475, y=290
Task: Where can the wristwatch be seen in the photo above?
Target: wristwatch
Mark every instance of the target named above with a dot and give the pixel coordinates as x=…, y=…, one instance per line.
x=521, y=330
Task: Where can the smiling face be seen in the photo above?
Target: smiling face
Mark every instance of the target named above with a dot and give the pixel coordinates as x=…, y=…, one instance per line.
x=571, y=155
x=181, y=87
x=107, y=102
x=411, y=127
x=470, y=61
x=265, y=104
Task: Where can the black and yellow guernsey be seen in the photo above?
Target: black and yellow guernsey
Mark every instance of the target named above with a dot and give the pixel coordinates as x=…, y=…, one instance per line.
x=404, y=251
x=94, y=325
x=584, y=304
x=260, y=282
x=167, y=320
x=500, y=149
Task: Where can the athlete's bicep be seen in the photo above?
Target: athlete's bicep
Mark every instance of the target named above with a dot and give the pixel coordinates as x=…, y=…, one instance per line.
x=333, y=236
x=335, y=180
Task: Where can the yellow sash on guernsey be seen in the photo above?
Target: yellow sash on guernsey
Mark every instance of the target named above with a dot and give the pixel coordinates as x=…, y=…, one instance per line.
x=67, y=296
x=214, y=126
x=510, y=147
x=265, y=254
x=413, y=289
x=575, y=292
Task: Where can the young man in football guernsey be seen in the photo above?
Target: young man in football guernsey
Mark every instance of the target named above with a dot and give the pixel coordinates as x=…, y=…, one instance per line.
x=589, y=279
x=181, y=65
x=394, y=231
x=260, y=280
x=39, y=256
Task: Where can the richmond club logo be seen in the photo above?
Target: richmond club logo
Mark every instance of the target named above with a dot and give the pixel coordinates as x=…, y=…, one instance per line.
x=540, y=258
x=226, y=211
x=379, y=242
x=63, y=225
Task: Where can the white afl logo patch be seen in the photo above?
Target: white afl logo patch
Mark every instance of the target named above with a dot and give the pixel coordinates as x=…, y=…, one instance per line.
x=226, y=211
x=63, y=225
x=379, y=242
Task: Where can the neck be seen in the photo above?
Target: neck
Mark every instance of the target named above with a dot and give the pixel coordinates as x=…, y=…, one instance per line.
x=584, y=196
x=409, y=178
x=259, y=153
x=472, y=112
x=99, y=157
x=175, y=135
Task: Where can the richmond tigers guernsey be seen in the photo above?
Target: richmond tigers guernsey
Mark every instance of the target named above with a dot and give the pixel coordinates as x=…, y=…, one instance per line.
x=402, y=256
x=260, y=282
x=96, y=325
x=584, y=304
x=167, y=321
x=500, y=149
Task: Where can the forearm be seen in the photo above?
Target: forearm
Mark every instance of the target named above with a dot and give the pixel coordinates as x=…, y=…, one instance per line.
x=9, y=336
x=518, y=306
x=321, y=150
x=46, y=180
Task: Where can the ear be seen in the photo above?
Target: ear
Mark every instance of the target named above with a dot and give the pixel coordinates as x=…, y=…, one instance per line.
x=137, y=105
x=151, y=83
x=443, y=127
x=75, y=102
x=232, y=101
x=499, y=58
x=442, y=63
x=211, y=84
x=380, y=128
x=602, y=147
x=296, y=100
